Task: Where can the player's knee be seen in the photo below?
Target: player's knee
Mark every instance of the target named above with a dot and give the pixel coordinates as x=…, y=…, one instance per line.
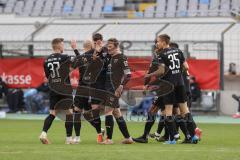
x=184, y=111
x=108, y=110
x=91, y=114
x=117, y=113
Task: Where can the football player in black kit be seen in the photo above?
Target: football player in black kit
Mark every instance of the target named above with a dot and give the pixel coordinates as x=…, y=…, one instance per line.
x=173, y=59
x=80, y=102
x=57, y=69
x=117, y=75
x=89, y=103
x=179, y=120
x=157, y=103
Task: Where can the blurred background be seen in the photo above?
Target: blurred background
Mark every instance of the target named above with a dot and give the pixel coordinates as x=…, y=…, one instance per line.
x=208, y=31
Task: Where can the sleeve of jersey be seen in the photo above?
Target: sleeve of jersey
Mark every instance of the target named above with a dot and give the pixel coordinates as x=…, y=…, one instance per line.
x=160, y=59
x=76, y=52
x=126, y=70
x=153, y=67
x=46, y=70
x=182, y=57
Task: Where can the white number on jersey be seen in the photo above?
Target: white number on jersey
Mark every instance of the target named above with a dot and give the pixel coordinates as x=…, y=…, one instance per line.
x=175, y=62
x=54, y=68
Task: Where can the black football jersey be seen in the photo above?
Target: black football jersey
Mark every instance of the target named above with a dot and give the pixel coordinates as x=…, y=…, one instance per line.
x=116, y=69
x=173, y=59
x=81, y=62
x=56, y=67
x=95, y=73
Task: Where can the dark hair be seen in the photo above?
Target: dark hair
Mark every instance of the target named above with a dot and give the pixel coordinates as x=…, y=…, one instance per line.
x=114, y=41
x=96, y=37
x=164, y=37
x=173, y=45
x=56, y=41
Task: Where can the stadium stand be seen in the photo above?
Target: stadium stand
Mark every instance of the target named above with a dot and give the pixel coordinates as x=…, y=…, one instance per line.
x=21, y=32
x=201, y=34
x=80, y=32
x=131, y=32
x=100, y=8
x=181, y=9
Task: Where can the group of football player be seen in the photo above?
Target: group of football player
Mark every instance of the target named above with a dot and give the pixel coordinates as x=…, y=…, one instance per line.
x=174, y=101
x=104, y=72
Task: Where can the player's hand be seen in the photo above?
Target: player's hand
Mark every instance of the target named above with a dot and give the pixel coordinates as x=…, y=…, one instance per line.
x=98, y=47
x=95, y=56
x=118, y=91
x=74, y=44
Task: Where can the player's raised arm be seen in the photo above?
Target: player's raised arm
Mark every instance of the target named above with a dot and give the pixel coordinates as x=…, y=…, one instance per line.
x=74, y=47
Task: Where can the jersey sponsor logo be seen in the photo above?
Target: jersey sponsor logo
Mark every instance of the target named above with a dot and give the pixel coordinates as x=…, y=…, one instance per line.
x=16, y=79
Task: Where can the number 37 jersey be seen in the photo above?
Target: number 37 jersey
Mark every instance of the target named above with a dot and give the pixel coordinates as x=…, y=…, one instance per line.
x=173, y=59
x=56, y=67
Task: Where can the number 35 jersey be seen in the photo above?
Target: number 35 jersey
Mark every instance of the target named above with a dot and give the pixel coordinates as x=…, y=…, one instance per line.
x=56, y=68
x=173, y=59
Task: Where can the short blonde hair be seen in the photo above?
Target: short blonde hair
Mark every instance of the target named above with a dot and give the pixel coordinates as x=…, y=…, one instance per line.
x=56, y=42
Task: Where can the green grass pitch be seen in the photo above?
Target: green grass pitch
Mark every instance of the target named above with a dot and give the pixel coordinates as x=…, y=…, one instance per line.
x=19, y=141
